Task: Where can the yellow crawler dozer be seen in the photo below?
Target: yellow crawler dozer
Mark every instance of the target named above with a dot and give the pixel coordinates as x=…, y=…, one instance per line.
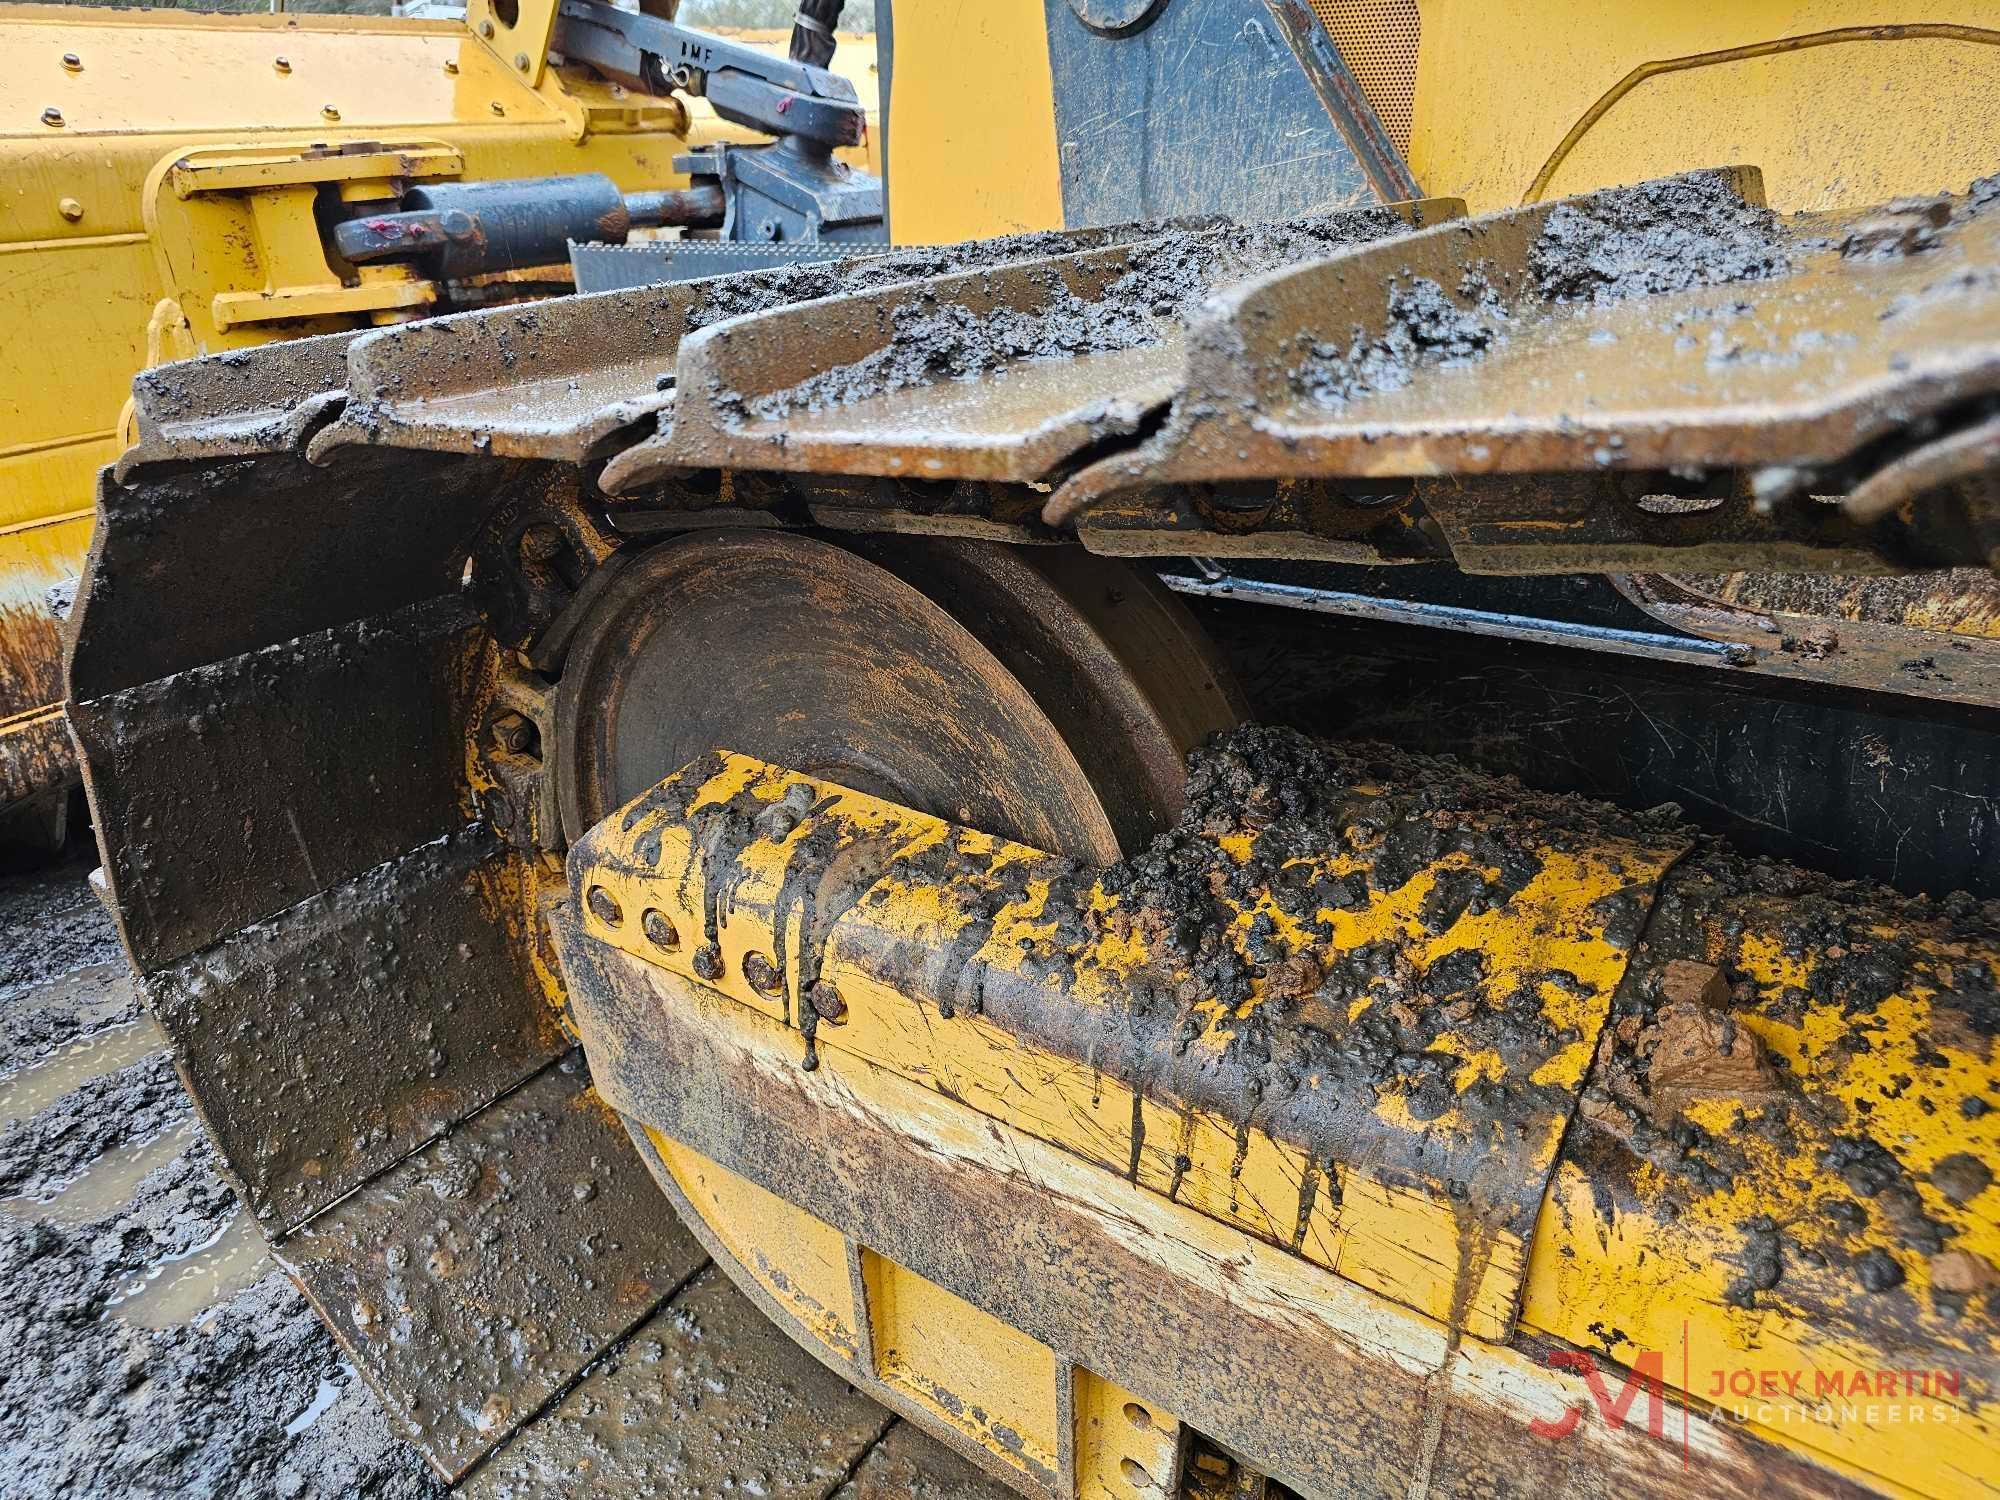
x=1278, y=773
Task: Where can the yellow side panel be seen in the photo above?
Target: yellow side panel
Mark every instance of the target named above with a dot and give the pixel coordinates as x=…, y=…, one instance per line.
x=42, y=483
x=972, y=149
x=798, y=1259
x=1125, y=1450
x=1500, y=83
x=164, y=73
x=990, y=1381
x=77, y=323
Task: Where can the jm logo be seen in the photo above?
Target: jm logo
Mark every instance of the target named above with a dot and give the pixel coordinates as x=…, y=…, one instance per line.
x=1647, y=1377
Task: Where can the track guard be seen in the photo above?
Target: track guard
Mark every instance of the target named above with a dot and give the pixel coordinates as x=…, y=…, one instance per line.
x=901, y=1077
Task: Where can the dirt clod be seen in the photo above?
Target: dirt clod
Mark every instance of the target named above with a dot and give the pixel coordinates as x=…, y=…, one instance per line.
x=1425, y=326
x=1686, y=982
x=1961, y=1273
x=1961, y=1177
x=1664, y=236
x=1879, y=1270
x=1700, y=1054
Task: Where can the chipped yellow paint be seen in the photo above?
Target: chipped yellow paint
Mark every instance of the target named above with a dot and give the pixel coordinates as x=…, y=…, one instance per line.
x=1407, y=1240
x=1658, y=1269
x=1652, y=1276
x=1392, y=1350
x=800, y=1261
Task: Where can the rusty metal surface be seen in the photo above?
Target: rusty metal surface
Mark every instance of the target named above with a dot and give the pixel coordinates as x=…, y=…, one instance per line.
x=1968, y=455
x=1527, y=524
x=1806, y=642
x=1926, y=635
x=1069, y=351
x=265, y=399
x=707, y=1400
x=192, y=563
x=326, y=1042
x=1672, y=341
x=1313, y=520
x=1116, y=663
x=1653, y=333
x=475, y=1281
x=821, y=655
x=1960, y=601
x=243, y=781
x=550, y=380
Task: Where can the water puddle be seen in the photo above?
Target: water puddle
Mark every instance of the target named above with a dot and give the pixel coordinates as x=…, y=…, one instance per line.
x=107, y=1184
x=328, y=1393
x=29, y=1090
x=175, y=1290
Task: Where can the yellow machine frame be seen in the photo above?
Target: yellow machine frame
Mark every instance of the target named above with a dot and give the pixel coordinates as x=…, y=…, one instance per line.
x=162, y=169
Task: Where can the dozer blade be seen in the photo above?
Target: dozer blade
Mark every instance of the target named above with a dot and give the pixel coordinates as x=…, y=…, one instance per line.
x=1257, y=1126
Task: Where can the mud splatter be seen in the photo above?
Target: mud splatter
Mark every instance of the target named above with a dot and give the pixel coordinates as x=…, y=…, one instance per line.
x=1426, y=327
x=1664, y=236
x=783, y=286
x=1229, y=994
x=1685, y=1032
x=937, y=337
x=90, y=1406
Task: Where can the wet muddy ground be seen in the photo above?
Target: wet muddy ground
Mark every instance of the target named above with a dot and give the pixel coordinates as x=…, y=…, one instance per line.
x=154, y=1349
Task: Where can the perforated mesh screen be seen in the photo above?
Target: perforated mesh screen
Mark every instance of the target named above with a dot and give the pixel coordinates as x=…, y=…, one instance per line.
x=1378, y=42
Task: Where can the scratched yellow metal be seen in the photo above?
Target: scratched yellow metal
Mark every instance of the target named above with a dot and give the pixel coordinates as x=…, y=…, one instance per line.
x=1872, y=1018
x=1382, y=1228
x=1837, y=101
x=801, y=1262
x=1485, y=1394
